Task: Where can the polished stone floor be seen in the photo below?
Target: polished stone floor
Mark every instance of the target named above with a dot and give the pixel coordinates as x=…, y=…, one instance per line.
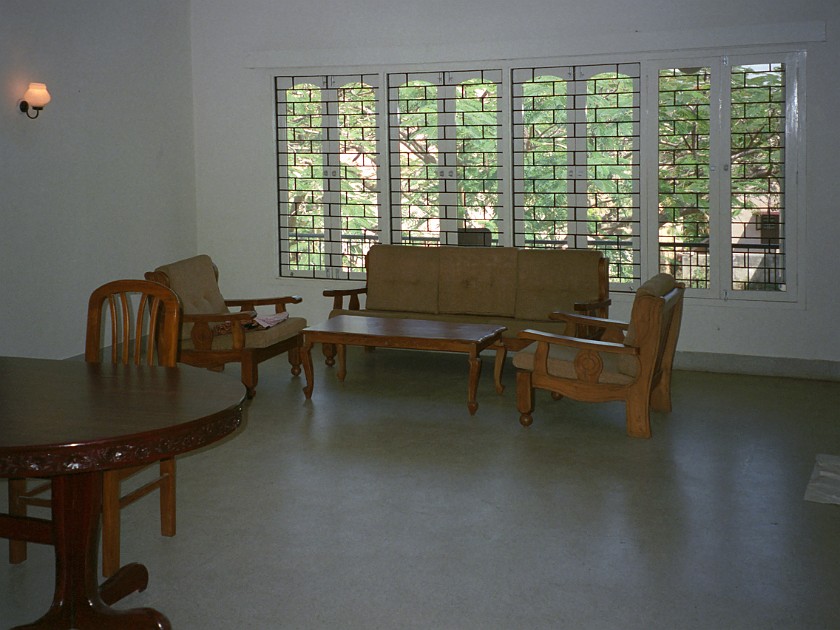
x=382, y=503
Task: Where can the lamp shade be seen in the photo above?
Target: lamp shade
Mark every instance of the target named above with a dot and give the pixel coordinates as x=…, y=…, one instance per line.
x=37, y=95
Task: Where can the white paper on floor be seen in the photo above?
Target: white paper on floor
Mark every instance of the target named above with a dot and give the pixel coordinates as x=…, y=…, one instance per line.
x=824, y=486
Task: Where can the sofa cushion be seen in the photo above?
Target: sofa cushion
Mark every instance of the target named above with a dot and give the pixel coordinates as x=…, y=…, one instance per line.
x=553, y=280
x=402, y=278
x=478, y=281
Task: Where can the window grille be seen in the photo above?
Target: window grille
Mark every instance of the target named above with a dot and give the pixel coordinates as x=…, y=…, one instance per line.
x=444, y=153
x=757, y=147
x=328, y=182
x=684, y=158
x=576, y=161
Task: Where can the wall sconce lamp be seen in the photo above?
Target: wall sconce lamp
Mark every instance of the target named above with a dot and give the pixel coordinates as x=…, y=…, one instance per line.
x=35, y=98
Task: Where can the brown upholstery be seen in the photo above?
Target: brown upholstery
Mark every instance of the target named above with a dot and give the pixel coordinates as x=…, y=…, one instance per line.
x=511, y=287
x=631, y=362
x=129, y=322
x=213, y=334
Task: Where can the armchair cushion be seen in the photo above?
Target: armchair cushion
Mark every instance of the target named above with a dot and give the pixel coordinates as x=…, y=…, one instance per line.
x=195, y=282
x=255, y=338
x=561, y=363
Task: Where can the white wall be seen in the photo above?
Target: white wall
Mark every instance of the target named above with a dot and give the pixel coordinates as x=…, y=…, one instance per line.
x=236, y=43
x=108, y=183
x=102, y=184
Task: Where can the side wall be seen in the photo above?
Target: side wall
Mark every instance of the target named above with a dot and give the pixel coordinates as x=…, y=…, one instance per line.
x=102, y=184
x=236, y=47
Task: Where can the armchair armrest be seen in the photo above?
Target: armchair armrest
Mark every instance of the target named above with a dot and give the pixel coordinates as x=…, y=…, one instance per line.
x=593, y=345
x=338, y=297
x=279, y=303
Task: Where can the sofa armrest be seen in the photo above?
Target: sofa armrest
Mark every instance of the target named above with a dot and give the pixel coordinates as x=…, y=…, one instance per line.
x=590, y=327
x=596, y=308
x=338, y=297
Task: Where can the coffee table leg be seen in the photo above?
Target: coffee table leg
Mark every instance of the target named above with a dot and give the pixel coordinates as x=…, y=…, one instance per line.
x=306, y=359
x=498, y=366
x=475, y=372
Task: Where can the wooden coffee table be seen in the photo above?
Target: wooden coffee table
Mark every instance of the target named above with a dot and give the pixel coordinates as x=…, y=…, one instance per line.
x=407, y=334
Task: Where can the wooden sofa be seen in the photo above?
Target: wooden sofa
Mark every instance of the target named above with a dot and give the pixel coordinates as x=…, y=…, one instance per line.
x=515, y=288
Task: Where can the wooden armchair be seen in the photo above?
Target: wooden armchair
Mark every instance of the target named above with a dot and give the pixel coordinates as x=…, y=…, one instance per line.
x=129, y=322
x=213, y=335
x=630, y=361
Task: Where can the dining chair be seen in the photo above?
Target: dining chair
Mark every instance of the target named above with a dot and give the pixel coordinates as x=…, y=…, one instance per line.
x=129, y=322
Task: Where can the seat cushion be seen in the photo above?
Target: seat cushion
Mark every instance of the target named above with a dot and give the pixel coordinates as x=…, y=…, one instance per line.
x=256, y=338
x=561, y=362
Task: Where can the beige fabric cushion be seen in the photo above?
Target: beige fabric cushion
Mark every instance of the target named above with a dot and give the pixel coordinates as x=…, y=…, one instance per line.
x=561, y=362
x=194, y=280
x=657, y=286
x=478, y=281
x=553, y=280
x=402, y=278
x=256, y=338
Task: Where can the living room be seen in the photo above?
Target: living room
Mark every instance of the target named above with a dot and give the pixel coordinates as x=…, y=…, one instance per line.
x=160, y=142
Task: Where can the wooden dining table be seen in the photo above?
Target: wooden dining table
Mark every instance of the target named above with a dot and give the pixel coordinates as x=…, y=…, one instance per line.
x=69, y=421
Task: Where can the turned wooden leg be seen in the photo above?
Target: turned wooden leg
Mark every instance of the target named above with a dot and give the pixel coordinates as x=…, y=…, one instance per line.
x=498, y=366
x=294, y=360
x=329, y=353
x=524, y=397
x=472, y=387
x=306, y=359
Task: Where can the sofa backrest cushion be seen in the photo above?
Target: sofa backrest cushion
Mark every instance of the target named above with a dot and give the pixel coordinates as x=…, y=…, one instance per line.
x=554, y=279
x=402, y=278
x=478, y=280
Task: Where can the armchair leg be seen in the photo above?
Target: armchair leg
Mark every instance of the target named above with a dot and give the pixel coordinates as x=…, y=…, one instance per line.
x=524, y=397
x=660, y=396
x=295, y=360
x=638, y=415
x=329, y=353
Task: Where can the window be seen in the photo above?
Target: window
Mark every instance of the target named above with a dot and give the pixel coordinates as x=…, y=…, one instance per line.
x=682, y=166
x=735, y=144
x=576, y=161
